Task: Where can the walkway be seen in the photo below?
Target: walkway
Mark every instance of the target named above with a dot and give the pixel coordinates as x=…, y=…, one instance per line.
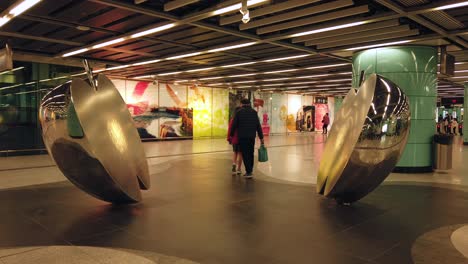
x=197, y=212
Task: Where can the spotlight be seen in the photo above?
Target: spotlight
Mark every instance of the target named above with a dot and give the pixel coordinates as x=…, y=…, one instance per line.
x=245, y=16
x=245, y=12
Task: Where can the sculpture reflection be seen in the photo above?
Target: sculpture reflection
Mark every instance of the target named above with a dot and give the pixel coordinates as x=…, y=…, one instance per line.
x=90, y=135
x=366, y=141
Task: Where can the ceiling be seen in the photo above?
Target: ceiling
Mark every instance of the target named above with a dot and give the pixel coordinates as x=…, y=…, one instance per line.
x=302, y=46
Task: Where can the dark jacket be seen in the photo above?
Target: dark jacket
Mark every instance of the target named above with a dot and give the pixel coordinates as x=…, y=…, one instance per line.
x=246, y=123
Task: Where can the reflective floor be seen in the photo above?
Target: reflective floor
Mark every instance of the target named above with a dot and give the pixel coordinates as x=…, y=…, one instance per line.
x=197, y=212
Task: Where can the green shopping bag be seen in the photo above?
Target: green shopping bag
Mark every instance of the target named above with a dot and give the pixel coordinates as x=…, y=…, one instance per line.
x=262, y=154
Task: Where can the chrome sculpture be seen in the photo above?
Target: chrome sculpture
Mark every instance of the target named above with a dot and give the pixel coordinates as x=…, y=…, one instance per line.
x=367, y=139
x=89, y=132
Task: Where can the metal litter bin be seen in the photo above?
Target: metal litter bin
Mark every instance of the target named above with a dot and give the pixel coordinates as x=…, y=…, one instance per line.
x=443, y=148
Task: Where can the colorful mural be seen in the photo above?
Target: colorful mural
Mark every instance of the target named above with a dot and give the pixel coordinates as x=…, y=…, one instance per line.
x=279, y=112
x=320, y=111
x=262, y=104
x=200, y=100
x=220, y=119
x=157, y=111
x=295, y=117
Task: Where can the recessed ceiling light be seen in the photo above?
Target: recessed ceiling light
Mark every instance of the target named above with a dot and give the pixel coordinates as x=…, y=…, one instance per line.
x=83, y=28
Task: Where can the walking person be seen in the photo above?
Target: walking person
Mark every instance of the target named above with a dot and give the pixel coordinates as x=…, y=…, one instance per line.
x=234, y=141
x=326, y=122
x=247, y=125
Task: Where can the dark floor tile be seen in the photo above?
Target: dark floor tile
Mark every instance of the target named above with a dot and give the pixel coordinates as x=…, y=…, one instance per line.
x=19, y=231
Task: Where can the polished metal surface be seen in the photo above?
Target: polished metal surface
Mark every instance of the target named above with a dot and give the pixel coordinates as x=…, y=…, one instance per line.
x=90, y=135
x=367, y=139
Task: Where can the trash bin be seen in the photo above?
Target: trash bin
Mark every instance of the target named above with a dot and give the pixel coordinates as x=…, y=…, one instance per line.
x=443, y=151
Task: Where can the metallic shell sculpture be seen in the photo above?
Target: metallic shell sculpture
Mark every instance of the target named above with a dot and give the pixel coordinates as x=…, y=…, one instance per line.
x=367, y=139
x=89, y=132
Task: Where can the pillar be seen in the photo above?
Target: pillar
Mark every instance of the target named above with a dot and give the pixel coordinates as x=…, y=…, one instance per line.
x=465, y=108
x=414, y=69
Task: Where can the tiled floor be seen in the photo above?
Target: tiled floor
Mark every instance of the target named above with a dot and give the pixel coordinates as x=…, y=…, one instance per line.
x=196, y=211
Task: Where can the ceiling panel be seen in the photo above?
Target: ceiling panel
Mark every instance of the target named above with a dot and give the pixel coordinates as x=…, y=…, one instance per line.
x=277, y=26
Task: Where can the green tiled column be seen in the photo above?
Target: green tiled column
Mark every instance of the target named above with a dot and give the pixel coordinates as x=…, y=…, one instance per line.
x=338, y=103
x=465, y=109
x=414, y=69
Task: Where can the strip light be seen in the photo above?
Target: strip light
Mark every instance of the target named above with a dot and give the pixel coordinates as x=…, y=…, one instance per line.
x=242, y=75
x=23, y=6
x=287, y=58
x=13, y=70
x=75, y=52
x=18, y=10
x=280, y=71
x=183, y=56
x=211, y=78
x=4, y=20
x=145, y=62
x=169, y=73
x=143, y=77
x=238, y=64
x=236, y=7
x=117, y=67
x=246, y=81
x=380, y=45
x=233, y=47
x=201, y=69
x=276, y=79
x=451, y=6
x=328, y=29
x=312, y=76
x=108, y=43
x=152, y=30
x=327, y=66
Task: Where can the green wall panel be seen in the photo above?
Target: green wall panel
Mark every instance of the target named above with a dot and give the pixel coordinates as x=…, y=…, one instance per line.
x=412, y=155
x=414, y=84
x=407, y=59
x=465, y=109
x=423, y=132
x=423, y=108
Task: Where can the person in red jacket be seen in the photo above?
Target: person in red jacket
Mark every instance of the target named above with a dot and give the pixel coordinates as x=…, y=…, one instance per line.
x=234, y=141
x=326, y=122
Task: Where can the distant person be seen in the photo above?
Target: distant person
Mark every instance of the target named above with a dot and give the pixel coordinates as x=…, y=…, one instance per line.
x=247, y=125
x=326, y=122
x=447, y=122
x=234, y=141
x=454, y=126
